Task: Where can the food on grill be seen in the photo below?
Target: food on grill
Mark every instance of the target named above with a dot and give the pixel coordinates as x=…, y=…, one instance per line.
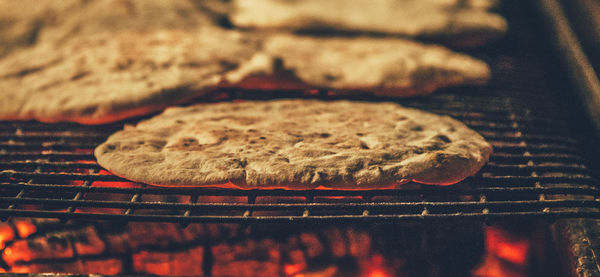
x=24, y=22
x=296, y=144
x=76, y=18
x=383, y=66
x=111, y=76
x=465, y=23
x=19, y=22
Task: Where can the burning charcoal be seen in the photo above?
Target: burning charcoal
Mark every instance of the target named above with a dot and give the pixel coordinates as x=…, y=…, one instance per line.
x=25, y=228
x=210, y=232
x=51, y=246
x=247, y=258
x=108, y=267
x=181, y=263
x=164, y=235
x=119, y=242
x=247, y=268
x=337, y=245
x=7, y=233
x=507, y=254
x=360, y=243
x=200, y=231
x=55, y=245
x=297, y=261
x=89, y=243
x=155, y=234
x=312, y=244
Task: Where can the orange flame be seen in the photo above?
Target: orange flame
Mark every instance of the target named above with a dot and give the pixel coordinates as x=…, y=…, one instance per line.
x=291, y=269
x=6, y=234
x=376, y=267
x=507, y=246
x=507, y=255
x=378, y=273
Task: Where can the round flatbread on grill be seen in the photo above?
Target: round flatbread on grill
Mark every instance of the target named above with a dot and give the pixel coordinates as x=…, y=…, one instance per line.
x=19, y=21
x=295, y=144
x=76, y=18
x=110, y=76
x=456, y=22
x=382, y=66
x=25, y=22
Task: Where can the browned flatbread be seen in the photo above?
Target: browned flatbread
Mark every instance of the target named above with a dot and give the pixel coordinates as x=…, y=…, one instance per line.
x=97, y=16
x=383, y=66
x=296, y=144
x=110, y=76
x=459, y=22
x=21, y=20
x=24, y=22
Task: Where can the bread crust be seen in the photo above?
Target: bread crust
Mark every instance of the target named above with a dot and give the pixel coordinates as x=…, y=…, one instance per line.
x=295, y=144
x=110, y=76
x=381, y=66
x=465, y=23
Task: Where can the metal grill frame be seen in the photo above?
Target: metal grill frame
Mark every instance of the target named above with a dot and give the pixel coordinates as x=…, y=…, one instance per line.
x=538, y=170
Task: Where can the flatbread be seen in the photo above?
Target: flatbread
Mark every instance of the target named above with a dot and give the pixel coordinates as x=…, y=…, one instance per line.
x=458, y=22
x=296, y=144
x=110, y=76
x=25, y=22
x=98, y=16
x=21, y=20
x=382, y=66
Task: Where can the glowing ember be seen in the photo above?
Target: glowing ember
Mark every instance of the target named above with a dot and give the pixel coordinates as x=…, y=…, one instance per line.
x=6, y=234
x=377, y=273
x=507, y=246
x=377, y=267
x=291, y=269
x=25, y=228
x=184, y=263
x=327, y=272
x=507, y=255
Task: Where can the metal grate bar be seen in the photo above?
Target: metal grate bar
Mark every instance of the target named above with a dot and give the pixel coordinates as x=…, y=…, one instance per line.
x=78, y=196
x=551, y=215
x=511, y=205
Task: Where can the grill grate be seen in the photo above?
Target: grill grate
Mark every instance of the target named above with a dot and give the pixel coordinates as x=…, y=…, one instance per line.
x=538, y=169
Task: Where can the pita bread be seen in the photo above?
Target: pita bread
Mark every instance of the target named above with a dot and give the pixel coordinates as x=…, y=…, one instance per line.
x=25, y=22
x=297, y=144
x=383, y=66
x=110, y=76
x=98, y=16
x=461, y=23
x=21, y=20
